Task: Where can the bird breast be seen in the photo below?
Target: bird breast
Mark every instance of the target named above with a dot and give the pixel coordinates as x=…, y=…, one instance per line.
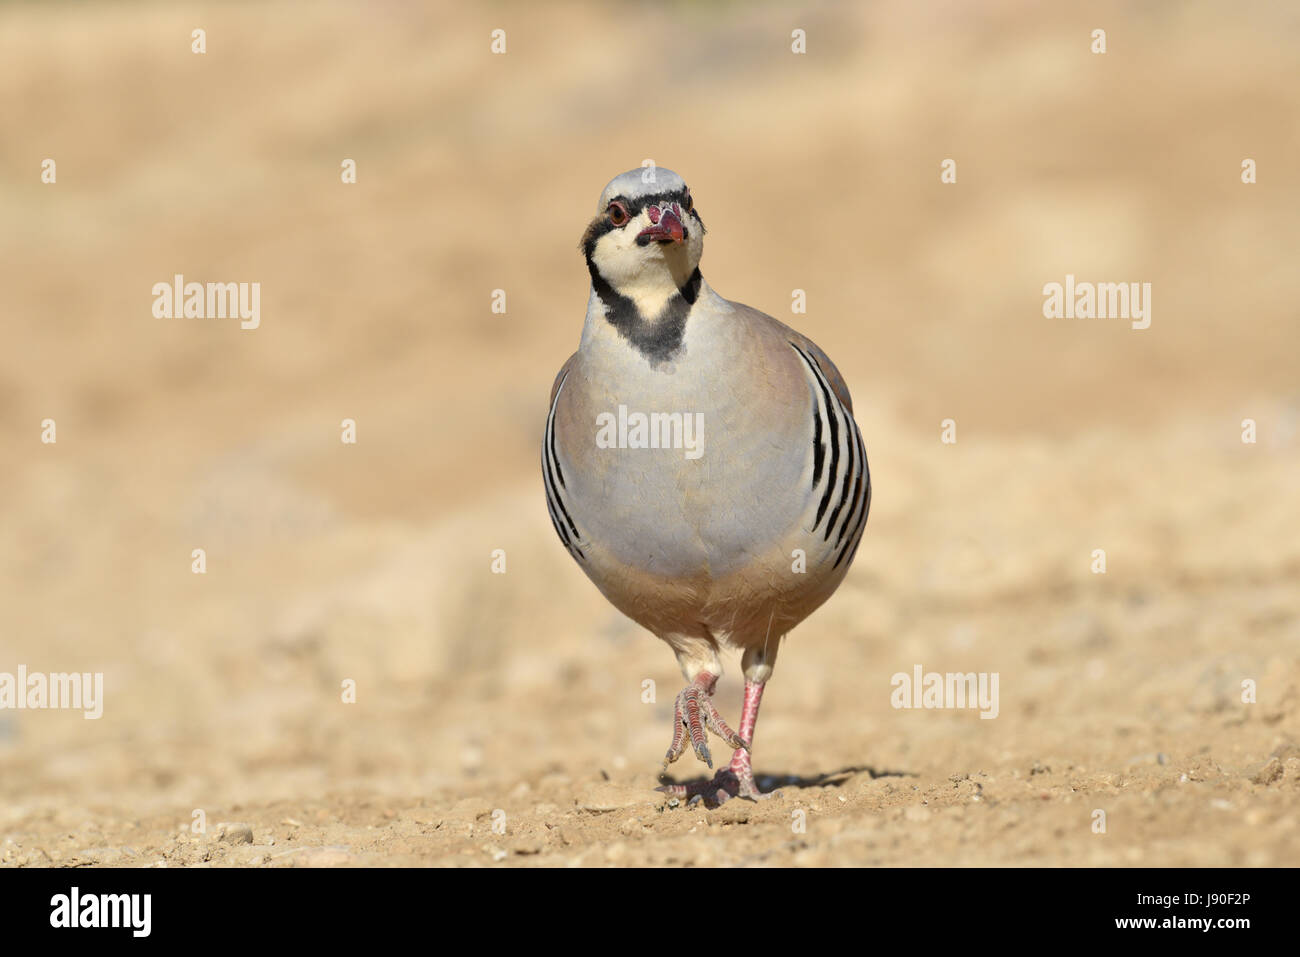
x=702, y=465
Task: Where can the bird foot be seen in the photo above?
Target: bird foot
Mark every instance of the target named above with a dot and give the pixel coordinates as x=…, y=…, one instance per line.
x=694, y=715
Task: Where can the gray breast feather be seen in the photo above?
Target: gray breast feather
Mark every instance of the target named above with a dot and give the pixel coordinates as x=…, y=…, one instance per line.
x=770, y=467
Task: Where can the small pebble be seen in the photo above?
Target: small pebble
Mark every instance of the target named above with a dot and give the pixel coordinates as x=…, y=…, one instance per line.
x=229, y=833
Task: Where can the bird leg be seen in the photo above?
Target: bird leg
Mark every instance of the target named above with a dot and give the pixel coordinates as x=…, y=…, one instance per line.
x=740, y=761
x=735, y=780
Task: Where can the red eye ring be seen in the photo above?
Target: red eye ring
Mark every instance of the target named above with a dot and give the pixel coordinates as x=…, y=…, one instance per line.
x=618, y=214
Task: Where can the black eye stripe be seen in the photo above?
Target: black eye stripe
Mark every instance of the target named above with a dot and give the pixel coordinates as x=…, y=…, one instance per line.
x=635, y=206
x=602, y=224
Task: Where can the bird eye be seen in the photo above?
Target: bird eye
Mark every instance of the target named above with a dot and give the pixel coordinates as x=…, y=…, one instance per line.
x=617, y=214
x=690, y=203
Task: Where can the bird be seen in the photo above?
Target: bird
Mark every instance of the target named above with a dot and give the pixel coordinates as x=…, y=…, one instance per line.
x=701, y=464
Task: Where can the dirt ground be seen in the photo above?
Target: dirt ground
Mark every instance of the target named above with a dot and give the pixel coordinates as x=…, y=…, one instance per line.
x=499, y=719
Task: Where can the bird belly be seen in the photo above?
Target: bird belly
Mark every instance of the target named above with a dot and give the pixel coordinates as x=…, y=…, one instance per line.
x=719, y=540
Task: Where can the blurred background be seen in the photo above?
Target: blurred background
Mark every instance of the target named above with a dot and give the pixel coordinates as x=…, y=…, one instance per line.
x=523, y=691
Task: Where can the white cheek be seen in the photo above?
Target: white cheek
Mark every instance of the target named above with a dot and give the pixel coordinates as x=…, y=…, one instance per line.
x=697, y=244
x=619, y=258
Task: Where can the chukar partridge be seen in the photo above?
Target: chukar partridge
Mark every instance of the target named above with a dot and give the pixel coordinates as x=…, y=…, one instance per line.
x=701, y=462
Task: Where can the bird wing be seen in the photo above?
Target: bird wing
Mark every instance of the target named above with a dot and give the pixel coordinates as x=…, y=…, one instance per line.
x=837, y=383
x=564, y=370
x=833, y=376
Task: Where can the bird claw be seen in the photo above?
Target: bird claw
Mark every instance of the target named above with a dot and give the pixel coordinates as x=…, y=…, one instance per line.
x=693, y=715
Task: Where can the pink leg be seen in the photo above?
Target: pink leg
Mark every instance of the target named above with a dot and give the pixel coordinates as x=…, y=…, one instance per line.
x=737, y=779
x=740, y=761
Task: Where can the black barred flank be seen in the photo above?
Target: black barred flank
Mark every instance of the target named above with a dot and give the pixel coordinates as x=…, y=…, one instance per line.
x=866, y=507
x=851, y=546
x=852, y=491
x=559, y=529
x=553, y=479
x=552, y=502
x=856, y=498
x=833, y=420
x=550, y=435
x=819, y=451
x=848, y=475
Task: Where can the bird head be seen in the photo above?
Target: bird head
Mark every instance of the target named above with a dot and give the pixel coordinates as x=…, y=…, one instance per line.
x=647, y=233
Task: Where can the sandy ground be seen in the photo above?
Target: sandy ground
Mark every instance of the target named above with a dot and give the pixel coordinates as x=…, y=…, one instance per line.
x=500, y=718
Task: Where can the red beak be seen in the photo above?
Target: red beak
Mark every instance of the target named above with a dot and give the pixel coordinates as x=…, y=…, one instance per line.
x=669, y=229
